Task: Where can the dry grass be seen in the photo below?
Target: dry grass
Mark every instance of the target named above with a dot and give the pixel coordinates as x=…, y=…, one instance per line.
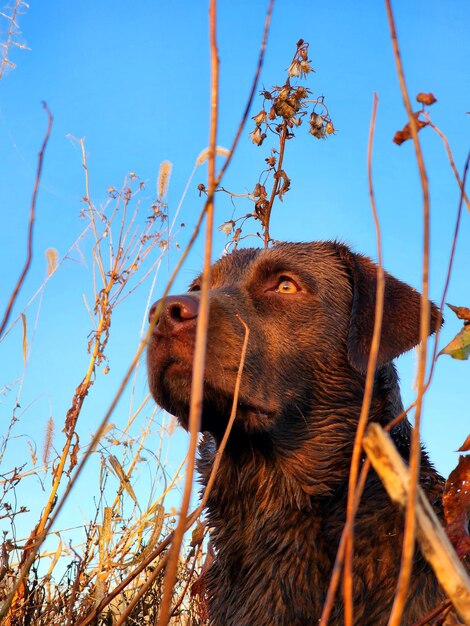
x=130, y=563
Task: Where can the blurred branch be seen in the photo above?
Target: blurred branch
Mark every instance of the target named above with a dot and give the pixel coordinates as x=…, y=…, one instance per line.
x=434, y=543
x=197, y=384
x=32, y=216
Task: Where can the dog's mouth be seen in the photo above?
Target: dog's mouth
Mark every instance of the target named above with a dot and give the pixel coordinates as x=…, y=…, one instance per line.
x=170, y=381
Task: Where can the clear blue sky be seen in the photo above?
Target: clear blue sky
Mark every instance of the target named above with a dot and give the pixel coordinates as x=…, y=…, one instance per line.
x=134, y=80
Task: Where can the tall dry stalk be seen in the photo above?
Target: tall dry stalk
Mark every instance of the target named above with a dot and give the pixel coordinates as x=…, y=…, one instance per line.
x=415, y=453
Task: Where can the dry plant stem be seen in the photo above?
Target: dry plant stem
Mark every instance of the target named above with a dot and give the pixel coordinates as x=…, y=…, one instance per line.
x=366, y=466
x=282, y=145
x=415, y=452
x=193, y=516
x=197, y=385
x=90, y=208
x=32, y=544
x=460, y=183
x=368, y=389
x=42, y=286
x=356, y=486
x=450, y=265
x=10, y=35
x=101, y=428
x=32, y=216
x=339, y=560
x=435, y=545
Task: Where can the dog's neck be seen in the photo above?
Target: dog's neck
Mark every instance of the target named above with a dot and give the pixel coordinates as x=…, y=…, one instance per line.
x=297, y=459
x=282, y=493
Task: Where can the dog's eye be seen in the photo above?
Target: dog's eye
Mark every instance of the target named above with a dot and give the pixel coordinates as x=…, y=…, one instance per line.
x=287, y=286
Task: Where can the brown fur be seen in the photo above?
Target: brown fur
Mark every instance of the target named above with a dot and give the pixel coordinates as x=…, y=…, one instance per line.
x=278, y=504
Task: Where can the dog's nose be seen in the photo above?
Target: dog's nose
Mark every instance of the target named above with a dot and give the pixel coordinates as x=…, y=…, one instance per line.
x=177, y=311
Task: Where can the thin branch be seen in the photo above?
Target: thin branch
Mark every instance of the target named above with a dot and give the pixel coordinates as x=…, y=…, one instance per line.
x=32, y=216
x=368, y=389
x=415, y=452
x=460, y=183
x=356, y=485
x=197, y=385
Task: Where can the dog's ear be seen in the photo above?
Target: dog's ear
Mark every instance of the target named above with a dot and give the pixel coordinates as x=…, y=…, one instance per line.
x=401, y=313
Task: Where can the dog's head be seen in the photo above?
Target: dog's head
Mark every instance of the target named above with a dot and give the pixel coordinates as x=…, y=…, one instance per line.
x=310, y=309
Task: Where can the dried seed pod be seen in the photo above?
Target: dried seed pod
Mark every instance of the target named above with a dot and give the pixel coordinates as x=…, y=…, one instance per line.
x=294, y=69
x=284, y=93
x=259, y=118
x=329, y=128
x=257, y=137
x=284, y=109
x=426, y=98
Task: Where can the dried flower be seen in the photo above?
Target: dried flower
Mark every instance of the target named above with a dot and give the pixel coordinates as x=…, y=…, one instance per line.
x=227, y=227
x=163, y=179
x=329, y=128
x=316, y=120
x=284, y=109
x=204, y=155
x=317, y=128
x=52, y=257
x=294, y=69
x=257, y=137
x=305, y=68
x=284, y=93
x=300, y=93
x=259, y=191
x=259, y=118
x=271, y=114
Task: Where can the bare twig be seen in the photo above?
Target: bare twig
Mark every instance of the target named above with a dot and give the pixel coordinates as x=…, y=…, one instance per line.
x=460, y=183
x=32, y=216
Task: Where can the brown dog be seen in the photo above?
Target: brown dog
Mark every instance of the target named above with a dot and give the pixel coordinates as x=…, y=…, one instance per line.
x=277, y=508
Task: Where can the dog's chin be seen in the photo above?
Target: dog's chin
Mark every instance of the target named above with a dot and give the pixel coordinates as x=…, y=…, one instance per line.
x=174, y=395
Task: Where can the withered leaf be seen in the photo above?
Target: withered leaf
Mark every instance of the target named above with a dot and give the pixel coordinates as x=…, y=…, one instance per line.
x=465, y=447
x=456, y=501
x=462, y=312
x=459, y=347
x=405, y=133
x=426, y=98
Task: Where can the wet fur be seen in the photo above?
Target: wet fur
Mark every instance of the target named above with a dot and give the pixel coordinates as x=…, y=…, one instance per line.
x=277, y=508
